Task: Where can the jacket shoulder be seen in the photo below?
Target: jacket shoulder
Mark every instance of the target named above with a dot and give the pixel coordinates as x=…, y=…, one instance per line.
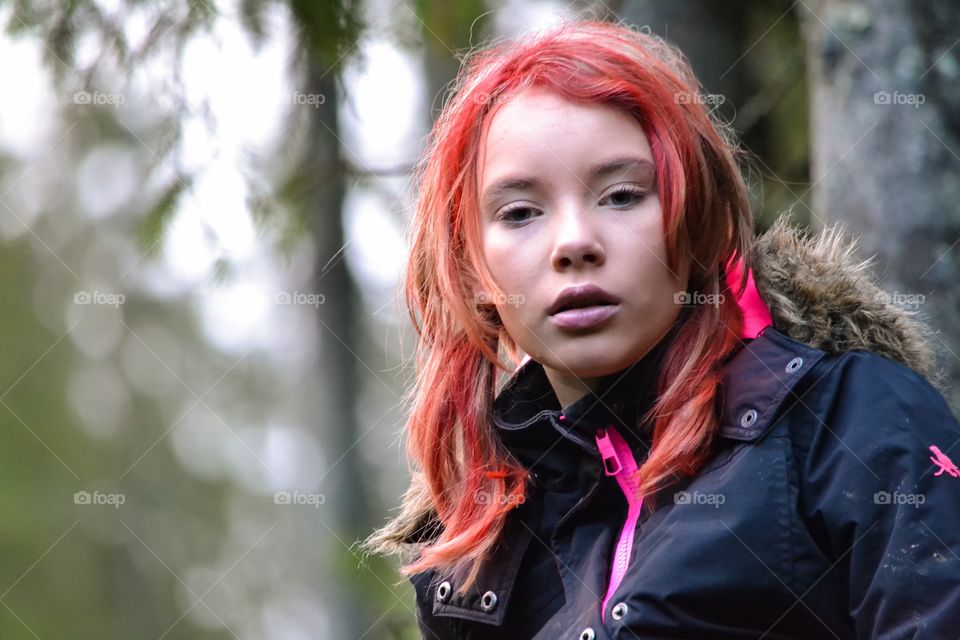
x=774, y=373
x=879, y=493
x=760, y=381
x=867, y=396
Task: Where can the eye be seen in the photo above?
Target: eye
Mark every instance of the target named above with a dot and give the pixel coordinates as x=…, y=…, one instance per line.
x=624, y=196
x=517, y=213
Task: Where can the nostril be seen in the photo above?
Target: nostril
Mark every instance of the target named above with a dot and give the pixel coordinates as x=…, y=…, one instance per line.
x=566, y=262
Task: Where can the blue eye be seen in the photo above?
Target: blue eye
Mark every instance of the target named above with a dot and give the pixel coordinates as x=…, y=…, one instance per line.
x=626, y=195
x=515, y=214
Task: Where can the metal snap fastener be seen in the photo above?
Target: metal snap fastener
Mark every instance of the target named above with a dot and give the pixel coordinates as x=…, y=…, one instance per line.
x=588, y=634
x=489, y=601
x=748, y=418
x=794, y=364
x=444, y=591
x=619, y=610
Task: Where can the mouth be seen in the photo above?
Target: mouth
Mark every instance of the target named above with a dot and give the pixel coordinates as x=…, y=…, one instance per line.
x=582, y=297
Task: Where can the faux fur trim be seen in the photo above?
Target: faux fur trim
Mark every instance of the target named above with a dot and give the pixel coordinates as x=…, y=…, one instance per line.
x=818, y=293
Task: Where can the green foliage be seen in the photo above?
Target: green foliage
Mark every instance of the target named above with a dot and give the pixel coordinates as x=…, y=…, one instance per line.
x=329, y=30
x=452, y=25
x=154, y=226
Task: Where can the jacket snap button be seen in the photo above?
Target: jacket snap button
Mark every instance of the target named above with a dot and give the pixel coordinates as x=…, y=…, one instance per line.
x=489, y=601
x=443, y=591
x=588, y=634
x=748, y=418
x=794, y=364
x=619, y=610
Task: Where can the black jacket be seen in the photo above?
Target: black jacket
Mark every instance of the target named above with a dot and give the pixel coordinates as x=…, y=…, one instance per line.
x=830, y=508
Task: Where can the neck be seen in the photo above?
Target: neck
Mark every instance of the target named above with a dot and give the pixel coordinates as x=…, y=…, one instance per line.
x=569, y=388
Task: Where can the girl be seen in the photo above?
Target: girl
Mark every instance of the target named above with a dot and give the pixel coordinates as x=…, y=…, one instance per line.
x=633, y=419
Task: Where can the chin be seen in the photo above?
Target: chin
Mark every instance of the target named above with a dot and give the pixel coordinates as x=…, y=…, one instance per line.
x=592, y=362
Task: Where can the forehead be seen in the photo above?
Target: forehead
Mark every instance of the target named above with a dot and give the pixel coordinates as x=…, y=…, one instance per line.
x=539, y=130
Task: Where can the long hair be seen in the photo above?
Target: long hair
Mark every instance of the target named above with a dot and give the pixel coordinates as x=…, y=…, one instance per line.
x=464, y=473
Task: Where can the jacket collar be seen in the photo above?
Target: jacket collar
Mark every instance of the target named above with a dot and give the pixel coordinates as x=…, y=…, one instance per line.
x=550, y=440
x=756, y=382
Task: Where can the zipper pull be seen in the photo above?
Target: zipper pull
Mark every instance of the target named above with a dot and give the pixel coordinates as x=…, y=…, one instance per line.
x=611, y=461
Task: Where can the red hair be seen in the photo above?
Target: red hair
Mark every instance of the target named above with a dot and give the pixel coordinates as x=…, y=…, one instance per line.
x=707, y=225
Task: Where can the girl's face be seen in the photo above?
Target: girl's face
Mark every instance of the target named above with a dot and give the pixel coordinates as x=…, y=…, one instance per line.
x=569, y=202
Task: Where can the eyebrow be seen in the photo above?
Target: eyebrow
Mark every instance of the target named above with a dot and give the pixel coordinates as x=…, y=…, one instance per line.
x=616, y=165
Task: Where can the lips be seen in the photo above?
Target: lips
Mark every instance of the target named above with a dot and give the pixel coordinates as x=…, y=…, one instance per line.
x=582, y=296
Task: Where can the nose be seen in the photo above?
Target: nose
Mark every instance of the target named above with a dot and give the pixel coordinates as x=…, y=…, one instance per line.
x=576, y=242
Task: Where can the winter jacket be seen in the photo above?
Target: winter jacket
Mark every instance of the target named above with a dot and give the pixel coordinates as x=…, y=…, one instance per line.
x=830, y=507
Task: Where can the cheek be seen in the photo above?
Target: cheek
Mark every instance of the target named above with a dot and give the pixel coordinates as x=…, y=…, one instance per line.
x=502, y=260
x=649, y=249
x=509, y=266
x=668, y=283
x=519, y=327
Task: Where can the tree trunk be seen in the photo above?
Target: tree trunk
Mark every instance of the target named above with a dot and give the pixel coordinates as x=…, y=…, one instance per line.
x=885, y=118
x=344, y=486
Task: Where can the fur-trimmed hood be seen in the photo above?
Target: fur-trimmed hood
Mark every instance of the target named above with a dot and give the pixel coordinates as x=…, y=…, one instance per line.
x=818, y=293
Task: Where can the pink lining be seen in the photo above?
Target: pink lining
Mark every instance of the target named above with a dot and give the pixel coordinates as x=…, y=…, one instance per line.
x=618, y=461
x=756, y=315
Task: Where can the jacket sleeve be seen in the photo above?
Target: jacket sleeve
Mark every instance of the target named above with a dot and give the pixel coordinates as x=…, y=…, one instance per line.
x=883, y=501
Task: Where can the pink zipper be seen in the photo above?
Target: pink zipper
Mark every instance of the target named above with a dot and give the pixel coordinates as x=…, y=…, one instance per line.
x=618, y=461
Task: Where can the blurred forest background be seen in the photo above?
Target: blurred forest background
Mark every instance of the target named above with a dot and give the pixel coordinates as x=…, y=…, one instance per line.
x=202, y=209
